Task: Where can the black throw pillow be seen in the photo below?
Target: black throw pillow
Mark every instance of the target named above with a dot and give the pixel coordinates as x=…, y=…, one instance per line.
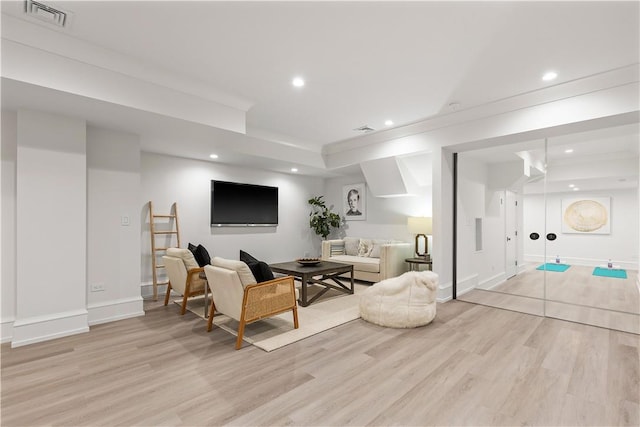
x=246, y=257
x=202, y=256
x=192, y=248
x=265, y=270
x=260, y=269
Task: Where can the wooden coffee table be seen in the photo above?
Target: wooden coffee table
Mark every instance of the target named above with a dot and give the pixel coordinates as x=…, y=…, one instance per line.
x=319, y=274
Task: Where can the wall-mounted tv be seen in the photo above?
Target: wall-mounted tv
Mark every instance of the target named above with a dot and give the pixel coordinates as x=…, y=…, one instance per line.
x=241, y=205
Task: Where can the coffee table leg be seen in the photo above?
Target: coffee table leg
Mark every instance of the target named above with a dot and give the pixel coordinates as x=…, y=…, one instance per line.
x=351, y=279
x=303, y=291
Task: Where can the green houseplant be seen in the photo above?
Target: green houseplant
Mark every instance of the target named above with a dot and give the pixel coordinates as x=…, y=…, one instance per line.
x=321, y=218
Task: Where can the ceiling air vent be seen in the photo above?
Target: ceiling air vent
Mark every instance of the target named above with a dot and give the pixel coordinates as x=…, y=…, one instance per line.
x=45, y=13
x=364, y=128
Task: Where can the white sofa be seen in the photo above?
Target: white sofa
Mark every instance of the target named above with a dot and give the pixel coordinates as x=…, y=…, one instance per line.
x=373, y=260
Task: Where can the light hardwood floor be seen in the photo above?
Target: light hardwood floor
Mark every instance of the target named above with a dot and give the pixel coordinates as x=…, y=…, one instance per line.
x=473, y=365
x=575, y=295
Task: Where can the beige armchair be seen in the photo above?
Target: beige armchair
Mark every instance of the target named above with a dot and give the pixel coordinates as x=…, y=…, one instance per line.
x=183, y=272
x=236, y=294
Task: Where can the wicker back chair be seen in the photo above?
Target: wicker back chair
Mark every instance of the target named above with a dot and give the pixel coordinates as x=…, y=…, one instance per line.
x=236, y=294
x=183, y=273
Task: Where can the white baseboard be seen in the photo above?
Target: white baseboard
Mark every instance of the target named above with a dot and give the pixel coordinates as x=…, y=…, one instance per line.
x=492, y=282
x=587, y=262
x=445, y=292
x=146, y=290
x=6, y=330
x=43, y=328
x=467, y=284
x=110, y=311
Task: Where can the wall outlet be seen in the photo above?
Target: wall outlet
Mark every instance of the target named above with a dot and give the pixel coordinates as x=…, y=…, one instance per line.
x=124, y=220
x=97, y=287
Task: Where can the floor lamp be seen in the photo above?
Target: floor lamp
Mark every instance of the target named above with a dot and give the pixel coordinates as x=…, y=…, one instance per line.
x=421, y=227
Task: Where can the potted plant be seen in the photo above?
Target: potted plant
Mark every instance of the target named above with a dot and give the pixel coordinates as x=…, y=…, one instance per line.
x=321, y=218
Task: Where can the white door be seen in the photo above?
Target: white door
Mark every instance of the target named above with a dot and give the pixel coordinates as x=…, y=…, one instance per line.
x=511, y=233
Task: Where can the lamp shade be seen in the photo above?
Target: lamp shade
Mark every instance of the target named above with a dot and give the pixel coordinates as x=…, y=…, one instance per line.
x=419, y=224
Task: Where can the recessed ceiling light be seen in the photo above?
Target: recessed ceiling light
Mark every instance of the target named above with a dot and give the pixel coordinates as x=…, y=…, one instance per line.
x=298, y=82
x=575, y=189
x=213, y=156
x=549, y=75
x=569, y=150
x=388, y=122
x=294, y=169
x=571, y=185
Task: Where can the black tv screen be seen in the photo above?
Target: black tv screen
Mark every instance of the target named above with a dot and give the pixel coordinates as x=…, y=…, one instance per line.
x=235, y=204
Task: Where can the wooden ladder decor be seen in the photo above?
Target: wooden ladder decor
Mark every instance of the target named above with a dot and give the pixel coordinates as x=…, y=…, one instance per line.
x=174, y=230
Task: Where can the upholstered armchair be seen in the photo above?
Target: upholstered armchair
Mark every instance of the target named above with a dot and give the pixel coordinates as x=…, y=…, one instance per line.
x=236, y=294
x=183, y=272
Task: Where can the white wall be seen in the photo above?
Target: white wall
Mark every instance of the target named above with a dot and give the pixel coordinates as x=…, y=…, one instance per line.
x=386, y=217
x=64, y=190
x=51, y=227
x=8, y=259
x=166, y=180
x=583, y=249
x=476, y=199
x=113, y=249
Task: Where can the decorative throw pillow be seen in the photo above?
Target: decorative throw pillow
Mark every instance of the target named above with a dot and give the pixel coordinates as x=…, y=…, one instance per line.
x=364, y=247
x=375, y=251
x=337, y=248
x=351, y=245
x=202, y=256
x=260, y=269
x=377, y=247
x=192, y=248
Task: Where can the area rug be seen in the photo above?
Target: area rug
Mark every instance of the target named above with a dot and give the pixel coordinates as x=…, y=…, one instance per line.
x=332, y=309
x=553, y=267
x=610, y=272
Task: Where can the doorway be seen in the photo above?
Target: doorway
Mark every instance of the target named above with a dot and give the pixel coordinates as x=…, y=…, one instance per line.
x=565, y=243
x=511, y=234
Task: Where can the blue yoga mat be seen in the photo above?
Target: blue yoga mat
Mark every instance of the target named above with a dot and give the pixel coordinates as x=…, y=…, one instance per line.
x=610, y=272
x=554, y=267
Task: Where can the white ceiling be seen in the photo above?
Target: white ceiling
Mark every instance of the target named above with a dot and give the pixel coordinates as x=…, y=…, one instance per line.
x=363, y=62
x=587, y=167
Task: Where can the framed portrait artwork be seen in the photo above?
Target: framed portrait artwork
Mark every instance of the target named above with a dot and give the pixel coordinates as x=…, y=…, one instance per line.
x=586, y=215
x=354, y=206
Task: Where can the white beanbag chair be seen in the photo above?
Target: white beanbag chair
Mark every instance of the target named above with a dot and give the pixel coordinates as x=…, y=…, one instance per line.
x=406, y=301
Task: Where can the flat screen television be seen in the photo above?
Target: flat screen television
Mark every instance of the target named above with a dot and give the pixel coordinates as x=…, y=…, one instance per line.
x=243, y=205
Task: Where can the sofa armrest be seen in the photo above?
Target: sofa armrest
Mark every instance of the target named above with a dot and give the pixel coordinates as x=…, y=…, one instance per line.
x=392, y=259
x=326, y=247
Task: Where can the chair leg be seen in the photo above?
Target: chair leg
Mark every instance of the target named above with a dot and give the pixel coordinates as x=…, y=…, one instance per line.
x=166, y=297
x=240, y=334
x=183, y=309
x=295, y=316
x=212, y=309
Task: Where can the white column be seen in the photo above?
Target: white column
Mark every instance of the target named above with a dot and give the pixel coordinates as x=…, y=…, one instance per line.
x=51, y=227
x=8, y=275
x=442, y=247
